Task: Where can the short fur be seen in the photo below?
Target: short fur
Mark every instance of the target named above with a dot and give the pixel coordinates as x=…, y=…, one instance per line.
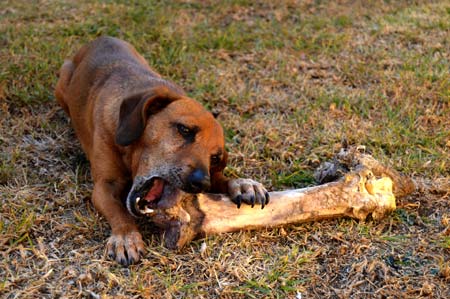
x=133, y=123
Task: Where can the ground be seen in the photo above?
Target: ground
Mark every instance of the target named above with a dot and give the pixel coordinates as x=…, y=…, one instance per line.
x=290, y=79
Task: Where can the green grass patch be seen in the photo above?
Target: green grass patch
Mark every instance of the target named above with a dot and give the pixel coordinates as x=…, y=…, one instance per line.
x=445, y=242
x=296, y=179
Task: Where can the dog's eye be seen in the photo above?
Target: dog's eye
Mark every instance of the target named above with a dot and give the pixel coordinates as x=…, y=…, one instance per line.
x=215, y=159
x=183, y=130
x=187, y=133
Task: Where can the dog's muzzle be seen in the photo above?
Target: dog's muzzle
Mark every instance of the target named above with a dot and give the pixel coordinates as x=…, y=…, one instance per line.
x=149, y=193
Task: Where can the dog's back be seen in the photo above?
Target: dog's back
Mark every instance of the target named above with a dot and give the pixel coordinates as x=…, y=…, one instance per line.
x=101, y=74
x=103, y=60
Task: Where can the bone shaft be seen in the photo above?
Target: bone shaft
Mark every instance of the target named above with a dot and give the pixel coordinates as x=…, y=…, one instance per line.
x=292, y=206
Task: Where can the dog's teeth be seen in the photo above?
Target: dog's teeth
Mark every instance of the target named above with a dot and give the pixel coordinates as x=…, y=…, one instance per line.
x=148, y=211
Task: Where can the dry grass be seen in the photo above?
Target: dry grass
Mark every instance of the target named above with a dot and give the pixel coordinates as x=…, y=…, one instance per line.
x=290, y=80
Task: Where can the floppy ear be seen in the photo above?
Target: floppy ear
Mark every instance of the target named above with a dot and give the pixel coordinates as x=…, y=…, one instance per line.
x=135, y=110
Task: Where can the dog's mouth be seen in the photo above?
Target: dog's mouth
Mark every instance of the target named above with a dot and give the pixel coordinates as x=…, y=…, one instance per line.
x=149, y=194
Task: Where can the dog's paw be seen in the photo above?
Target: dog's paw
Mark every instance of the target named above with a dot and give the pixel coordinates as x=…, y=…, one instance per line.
x=247, y=191
x=126, y=249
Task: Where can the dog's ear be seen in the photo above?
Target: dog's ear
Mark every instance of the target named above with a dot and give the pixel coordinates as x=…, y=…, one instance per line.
x=135, y=110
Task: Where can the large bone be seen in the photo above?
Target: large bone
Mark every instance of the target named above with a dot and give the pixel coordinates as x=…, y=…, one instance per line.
x=358, y=194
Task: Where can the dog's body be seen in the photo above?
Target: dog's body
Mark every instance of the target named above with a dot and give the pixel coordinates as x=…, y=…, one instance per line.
x=132, y=124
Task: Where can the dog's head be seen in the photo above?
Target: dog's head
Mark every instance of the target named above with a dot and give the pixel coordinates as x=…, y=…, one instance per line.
x=176, y=145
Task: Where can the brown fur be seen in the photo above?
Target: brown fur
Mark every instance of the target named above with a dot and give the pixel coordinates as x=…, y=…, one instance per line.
x=127, y=119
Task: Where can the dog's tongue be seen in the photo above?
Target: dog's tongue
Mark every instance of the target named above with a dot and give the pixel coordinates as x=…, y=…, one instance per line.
x=156, y=190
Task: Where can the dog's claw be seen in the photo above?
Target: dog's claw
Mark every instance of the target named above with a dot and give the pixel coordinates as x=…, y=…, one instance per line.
x=141, y=253
x=238, y=200
x=111, y=255
x=247, y=191
x=123, y=261
x=132, y=260
x=267, y=197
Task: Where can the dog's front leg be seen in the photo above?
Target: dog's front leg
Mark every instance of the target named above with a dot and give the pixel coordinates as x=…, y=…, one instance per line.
x=125, y=244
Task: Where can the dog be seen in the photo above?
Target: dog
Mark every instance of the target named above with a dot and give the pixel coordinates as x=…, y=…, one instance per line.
x=142, y=135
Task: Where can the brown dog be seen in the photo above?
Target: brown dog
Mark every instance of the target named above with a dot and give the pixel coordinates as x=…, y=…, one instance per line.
x=143, y=137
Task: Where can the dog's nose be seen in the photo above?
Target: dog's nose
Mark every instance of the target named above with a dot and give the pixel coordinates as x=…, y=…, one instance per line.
x=198, y=181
